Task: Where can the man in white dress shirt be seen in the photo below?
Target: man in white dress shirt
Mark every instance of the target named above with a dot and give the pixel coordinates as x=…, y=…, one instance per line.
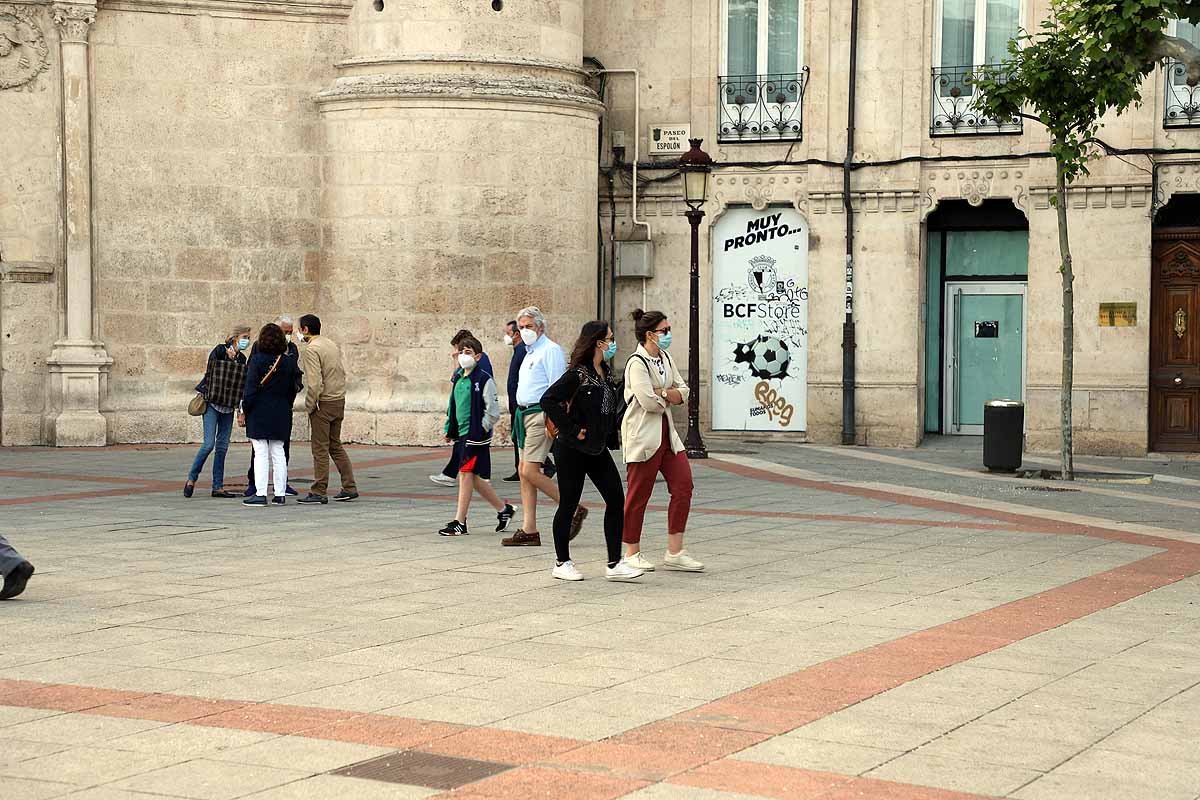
x=544, y=363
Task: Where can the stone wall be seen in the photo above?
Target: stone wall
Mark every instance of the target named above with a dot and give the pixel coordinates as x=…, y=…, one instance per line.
x=207, y=164
x=30, y=247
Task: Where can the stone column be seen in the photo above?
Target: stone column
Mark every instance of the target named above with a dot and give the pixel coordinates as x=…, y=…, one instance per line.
x=79, y=365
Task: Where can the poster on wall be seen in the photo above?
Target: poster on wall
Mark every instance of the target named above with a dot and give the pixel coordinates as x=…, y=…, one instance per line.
x=760, y=316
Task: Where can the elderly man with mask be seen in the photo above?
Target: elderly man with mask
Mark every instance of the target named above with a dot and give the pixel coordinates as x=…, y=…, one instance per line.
x=543, y=364
x=288, y=327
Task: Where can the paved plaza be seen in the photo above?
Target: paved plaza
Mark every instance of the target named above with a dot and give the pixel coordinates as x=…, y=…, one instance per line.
x=878, y=625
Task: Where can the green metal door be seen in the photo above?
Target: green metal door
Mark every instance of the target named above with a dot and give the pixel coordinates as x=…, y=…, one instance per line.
x=985, y=346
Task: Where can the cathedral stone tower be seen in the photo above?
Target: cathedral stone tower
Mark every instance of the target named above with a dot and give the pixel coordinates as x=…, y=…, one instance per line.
x=459, y=186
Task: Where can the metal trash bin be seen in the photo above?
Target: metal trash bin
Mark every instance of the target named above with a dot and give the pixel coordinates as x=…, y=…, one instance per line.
x=1003, y=434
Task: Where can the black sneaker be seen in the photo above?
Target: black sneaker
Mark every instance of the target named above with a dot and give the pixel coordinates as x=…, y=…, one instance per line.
x=14, y=582
x=514, y=478
x=454, y=528
x=345, y=497
x=250, y=491
x=256, y=501
x=548, y=469
x=313, y=498
x=505, y=517
x=188, y=488
x=291, y=491
x=223, y=493
x=277, y=501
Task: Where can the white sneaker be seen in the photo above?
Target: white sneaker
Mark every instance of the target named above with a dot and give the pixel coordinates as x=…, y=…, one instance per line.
x=442, y=480
x=639, y=561
x=566, y=571
x=682, y=561
x=622, y=572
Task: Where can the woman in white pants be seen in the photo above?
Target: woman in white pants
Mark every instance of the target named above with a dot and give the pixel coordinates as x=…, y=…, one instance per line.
x=267, y=404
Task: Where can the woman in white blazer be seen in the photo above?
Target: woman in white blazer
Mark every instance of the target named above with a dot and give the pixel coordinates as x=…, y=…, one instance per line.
x=651, y=445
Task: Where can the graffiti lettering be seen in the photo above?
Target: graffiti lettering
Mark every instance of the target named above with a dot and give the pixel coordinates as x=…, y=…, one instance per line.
x=773, y=404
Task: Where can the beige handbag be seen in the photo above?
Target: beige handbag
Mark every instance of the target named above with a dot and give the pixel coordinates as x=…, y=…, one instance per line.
x=198, y=406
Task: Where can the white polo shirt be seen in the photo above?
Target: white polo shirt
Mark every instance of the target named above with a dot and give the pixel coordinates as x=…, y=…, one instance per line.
x=544, y=363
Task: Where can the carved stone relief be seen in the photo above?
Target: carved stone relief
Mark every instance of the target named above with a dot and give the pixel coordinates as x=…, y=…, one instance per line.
x=974, y=185
x=759, y=191
x=74, y=21
x=23, y=50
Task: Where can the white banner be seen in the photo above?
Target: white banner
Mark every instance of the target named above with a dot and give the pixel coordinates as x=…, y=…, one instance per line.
x=760, y=316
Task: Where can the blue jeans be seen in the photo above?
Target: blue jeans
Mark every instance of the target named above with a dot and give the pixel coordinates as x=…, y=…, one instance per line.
x=217, y=427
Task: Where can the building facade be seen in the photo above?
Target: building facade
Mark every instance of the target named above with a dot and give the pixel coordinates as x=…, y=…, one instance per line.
x=405, y=169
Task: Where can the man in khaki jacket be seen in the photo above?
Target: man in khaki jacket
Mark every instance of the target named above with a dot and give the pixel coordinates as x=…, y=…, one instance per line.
x=325, y=402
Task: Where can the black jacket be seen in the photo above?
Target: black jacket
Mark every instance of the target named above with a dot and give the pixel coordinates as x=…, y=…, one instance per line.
x=514, y=373
x=587, y=411
x=269, y=408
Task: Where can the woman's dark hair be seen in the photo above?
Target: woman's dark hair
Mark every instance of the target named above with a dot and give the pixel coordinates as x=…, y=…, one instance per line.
x=585, y=345
x=271, y=340
x=646, y=321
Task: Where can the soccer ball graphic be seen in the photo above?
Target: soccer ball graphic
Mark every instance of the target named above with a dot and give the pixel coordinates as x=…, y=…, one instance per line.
x=767, y=356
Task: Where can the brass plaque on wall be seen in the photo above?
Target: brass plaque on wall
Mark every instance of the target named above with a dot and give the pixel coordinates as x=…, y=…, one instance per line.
x=1118, y=315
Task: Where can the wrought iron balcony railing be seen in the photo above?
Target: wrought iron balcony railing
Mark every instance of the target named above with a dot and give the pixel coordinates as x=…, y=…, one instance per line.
x=1182, y=103
x=762, y=108
x=954, y=111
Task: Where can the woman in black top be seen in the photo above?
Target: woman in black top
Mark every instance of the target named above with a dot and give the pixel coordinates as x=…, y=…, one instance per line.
x=582, y=404
x=270, y=390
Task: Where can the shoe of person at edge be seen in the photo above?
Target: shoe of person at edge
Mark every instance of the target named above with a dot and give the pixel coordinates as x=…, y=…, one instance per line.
x=523, y=539
x=313, y=498
x=567, y=571
x=443, y=480
x=577, y=519
x=291, y=491
x=345, y=497
x=189, y=488
x=258, y=501
x=224, y=493
x=14, y=582
x=454, y=528
x=639, y=561
x=622, y=572
x=514, y=478
x=504, y=517
x=682, y=561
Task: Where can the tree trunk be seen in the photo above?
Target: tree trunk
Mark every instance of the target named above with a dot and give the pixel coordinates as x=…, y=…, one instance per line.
x=1068, y=327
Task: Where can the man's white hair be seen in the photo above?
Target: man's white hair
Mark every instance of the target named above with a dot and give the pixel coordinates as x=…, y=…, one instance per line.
x=284, y=319
x=535, y=314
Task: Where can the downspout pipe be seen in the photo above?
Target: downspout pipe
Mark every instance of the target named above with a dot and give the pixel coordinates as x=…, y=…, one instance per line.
x=637, y=123
x=849, y=436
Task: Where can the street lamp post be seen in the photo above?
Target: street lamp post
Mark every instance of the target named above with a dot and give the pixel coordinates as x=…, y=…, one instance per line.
x=695, y=165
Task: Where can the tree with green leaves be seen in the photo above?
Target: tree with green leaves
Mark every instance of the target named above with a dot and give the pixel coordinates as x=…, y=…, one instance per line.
x=1132, y=35
x=1057, y=78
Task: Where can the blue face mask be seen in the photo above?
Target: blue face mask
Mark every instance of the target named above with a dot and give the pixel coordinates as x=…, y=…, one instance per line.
x=243, y=344
x=664, y=340
x=611, y=351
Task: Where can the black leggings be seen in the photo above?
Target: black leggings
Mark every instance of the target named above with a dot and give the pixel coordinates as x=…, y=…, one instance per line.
x=573, y=467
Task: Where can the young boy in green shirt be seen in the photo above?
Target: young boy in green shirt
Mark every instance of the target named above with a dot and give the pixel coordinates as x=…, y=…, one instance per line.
x=470, y=418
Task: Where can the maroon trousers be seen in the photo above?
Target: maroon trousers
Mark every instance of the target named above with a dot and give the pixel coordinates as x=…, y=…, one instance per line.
x=678, y=472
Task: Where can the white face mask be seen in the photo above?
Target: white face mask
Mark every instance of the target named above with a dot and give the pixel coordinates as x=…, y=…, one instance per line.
x=466, y=361
x=528, y=336
x=508, y=340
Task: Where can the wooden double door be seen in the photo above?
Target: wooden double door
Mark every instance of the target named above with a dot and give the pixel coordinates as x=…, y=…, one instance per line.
x=1175, y=342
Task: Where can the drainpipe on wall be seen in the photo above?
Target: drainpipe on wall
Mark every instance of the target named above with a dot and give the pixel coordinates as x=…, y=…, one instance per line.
x=848, y=343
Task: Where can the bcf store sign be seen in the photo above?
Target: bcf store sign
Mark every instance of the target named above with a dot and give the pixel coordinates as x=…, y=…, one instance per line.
x=760, y=320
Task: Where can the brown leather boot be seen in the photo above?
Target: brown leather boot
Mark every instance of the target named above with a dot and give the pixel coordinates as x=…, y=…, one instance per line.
x=577, y=522
x=522, y=539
